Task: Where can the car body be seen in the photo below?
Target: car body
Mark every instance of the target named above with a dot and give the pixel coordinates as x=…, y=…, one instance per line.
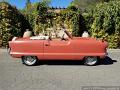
x=72, y=48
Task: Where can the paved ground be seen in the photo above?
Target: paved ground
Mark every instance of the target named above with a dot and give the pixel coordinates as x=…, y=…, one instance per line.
x=58, y=75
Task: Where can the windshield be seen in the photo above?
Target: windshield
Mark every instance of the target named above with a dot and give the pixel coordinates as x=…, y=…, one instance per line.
x=68, y=34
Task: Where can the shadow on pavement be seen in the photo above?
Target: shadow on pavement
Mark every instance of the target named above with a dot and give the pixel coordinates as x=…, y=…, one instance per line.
x=106, y=61
x=60, y=62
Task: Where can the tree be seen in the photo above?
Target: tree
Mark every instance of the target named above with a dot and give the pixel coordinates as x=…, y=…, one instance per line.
x=105, y=22
x=28, y=2
x=12, y=23
x=86, y=4
x=37, y=14
x=28, y=5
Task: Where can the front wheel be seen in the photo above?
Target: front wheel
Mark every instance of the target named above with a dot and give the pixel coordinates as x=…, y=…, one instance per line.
x=29, y=60
x=91, y=60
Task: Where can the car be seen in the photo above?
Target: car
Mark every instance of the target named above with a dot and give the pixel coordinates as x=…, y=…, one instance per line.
x=35, y=48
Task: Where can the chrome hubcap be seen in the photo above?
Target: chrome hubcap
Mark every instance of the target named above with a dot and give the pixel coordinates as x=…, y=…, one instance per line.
x=91, y=60
x=29, y=60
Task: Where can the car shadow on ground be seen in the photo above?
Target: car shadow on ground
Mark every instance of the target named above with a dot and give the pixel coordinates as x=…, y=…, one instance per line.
x=61, y=62
x=106, y=61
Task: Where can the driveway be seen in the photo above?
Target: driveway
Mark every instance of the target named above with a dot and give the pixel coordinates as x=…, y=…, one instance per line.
x=58, y=75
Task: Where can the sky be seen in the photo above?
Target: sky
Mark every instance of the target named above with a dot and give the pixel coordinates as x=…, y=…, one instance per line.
x=55, y=3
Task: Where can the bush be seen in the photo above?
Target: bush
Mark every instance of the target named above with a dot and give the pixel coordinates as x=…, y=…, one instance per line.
x=105, y=22
x=12, y=23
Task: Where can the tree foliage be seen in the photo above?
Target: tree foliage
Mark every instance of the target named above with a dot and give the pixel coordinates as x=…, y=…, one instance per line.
x=12, y=22
x=85, y=5
x=104, y=22
x=38, y=16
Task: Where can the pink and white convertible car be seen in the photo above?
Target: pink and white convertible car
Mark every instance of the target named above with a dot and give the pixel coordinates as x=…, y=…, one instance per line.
x=35, y=48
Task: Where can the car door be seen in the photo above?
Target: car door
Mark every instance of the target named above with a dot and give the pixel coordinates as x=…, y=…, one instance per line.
x=59, y=49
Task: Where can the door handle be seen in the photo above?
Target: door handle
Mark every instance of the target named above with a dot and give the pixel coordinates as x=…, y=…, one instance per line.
x=47, y=44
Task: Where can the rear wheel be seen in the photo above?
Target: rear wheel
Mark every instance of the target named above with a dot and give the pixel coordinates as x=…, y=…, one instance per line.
x=91, y=60
x=29, y=60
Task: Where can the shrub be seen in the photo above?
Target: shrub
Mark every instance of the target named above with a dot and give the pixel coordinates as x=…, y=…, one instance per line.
x=12, y=22
x=105, y=22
